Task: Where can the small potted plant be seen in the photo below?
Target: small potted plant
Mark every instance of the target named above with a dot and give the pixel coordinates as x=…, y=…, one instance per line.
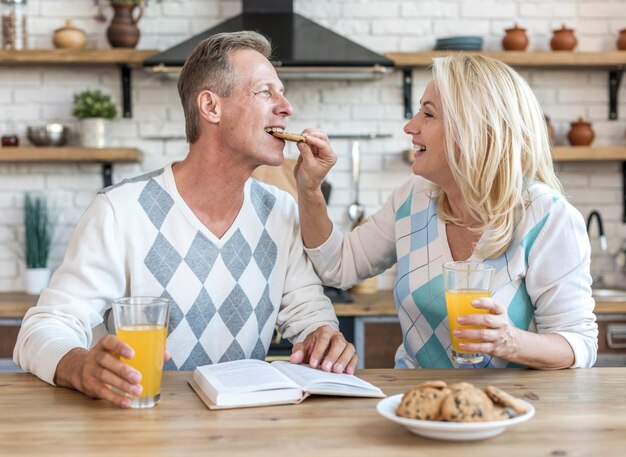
x=38, y=230
x=94, y=109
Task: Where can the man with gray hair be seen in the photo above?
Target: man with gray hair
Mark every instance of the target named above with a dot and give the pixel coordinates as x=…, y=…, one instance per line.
x=223, y=247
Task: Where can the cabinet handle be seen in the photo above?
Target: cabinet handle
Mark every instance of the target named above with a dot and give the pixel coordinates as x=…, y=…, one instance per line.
x=616, y=336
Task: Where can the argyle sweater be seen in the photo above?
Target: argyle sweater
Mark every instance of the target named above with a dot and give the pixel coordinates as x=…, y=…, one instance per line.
x=542, y=280
x=140, y=238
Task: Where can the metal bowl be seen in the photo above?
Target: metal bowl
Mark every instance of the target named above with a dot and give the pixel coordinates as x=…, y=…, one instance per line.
x=48, y=135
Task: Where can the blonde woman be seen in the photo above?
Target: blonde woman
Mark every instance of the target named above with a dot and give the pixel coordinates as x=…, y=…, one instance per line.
x=485, y=190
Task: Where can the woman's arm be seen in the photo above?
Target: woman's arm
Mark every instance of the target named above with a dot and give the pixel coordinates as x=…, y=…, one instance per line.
x=315, y=161
x=558, y=283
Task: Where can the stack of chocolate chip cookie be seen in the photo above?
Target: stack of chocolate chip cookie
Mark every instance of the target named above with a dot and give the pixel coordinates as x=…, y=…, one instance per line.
x=459, y=402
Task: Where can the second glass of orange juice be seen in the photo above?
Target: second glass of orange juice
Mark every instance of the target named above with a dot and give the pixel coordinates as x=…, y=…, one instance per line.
x=464, y=282
x=141, y=322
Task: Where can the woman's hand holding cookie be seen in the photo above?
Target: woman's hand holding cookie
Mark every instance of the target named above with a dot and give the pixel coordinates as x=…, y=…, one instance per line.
x=315, y=160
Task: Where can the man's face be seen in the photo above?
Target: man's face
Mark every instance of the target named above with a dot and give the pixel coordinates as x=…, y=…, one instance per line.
x=256, y=103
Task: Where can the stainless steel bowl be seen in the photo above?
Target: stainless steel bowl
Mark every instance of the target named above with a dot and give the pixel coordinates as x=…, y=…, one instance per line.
x=48, y=135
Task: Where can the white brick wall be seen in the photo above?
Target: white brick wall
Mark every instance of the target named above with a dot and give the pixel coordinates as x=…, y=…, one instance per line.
x=38, y=94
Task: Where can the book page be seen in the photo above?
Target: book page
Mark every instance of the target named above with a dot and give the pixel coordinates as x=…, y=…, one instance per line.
x=320, y=382
x=244, y=376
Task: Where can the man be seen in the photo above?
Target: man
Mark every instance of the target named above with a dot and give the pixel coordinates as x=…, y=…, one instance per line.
x=224, y=248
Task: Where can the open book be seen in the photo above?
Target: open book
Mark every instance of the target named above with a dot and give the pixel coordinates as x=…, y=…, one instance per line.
x=243, y=383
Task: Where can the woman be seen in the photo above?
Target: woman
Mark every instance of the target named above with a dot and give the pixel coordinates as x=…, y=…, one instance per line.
x=485, y=190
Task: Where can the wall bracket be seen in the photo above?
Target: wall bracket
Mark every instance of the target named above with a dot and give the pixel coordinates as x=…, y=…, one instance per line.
x=127, y=110
x=624, y=192
x=407, y=90
x=615, y=77
x=107, y=174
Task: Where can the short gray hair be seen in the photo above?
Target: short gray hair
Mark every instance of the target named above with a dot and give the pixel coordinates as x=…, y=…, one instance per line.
x=208, y=68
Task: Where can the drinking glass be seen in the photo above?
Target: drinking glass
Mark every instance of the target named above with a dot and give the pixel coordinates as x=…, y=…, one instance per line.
x=464, y=282
x=141, y=322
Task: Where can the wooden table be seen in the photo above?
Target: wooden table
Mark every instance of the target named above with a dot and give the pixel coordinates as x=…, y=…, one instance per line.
x=578, y=413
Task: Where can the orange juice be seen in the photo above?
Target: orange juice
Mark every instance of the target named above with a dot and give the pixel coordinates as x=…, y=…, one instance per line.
x=458, y=303
x=148, y=341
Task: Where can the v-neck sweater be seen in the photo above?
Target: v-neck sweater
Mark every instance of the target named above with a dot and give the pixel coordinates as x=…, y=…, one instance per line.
x=543, y=279
x=140, y=238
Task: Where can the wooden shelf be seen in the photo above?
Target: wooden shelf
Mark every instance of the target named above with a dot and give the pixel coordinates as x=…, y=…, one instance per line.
x=131, y=57
x=613, y=61
x=69, y=154
x=609, y=59
x=588, y=153
x=124, y=58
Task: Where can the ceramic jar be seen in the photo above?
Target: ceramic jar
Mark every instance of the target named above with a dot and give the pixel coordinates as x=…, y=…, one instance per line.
x=563, y=39
x=580, y=133
x=515, y=39
x=621, y=40
x=69, y=37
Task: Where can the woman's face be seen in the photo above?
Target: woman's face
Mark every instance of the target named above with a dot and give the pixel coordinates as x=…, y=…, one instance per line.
x=427, y=135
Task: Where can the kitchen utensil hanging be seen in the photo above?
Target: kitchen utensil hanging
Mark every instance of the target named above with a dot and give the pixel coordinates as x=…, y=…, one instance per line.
x=356, y=210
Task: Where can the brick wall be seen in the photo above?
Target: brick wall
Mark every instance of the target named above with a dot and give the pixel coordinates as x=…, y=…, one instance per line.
x=39, y=94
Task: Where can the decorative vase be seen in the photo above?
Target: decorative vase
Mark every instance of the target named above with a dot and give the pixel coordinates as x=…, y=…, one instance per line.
x=515, y=39
x=36, y=279
x=123, y=31
x=563, y=39
x=621, y=40
x=69, y=37
x=580, y=133
x=94, y=132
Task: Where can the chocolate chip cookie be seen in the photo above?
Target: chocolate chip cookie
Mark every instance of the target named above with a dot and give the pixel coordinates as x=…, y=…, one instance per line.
x=500, y=397
x=423, y=401
x=467, y=403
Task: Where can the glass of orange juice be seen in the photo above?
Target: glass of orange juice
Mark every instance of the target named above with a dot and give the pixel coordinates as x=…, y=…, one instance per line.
x=141, y=322
x=464, y=282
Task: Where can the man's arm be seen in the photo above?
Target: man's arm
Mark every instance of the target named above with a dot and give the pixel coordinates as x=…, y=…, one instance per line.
x=56, y=335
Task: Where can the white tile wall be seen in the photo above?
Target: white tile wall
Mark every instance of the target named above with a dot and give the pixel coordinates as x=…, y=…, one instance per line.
x=39, y=94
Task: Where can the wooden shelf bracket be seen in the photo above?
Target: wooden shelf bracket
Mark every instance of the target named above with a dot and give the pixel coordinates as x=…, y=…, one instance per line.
x=615, y=78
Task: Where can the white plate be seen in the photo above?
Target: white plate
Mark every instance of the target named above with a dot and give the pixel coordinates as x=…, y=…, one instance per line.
x=450, y=431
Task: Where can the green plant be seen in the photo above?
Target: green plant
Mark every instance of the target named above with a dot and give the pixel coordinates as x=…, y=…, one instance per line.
x=93, y=103
x=38, y=230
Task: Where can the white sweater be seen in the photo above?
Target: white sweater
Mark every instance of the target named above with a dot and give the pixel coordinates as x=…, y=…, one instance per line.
x=543, y=279
x=140, y=238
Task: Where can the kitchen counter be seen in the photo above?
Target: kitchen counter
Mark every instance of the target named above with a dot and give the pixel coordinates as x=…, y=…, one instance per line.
x=14, y=305
x=578, y=413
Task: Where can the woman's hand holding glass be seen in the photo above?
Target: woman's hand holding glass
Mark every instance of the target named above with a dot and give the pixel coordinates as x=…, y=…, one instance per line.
x=498, y=338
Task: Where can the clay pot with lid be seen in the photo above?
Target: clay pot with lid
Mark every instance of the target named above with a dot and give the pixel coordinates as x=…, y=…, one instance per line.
x=69, y=37
x=563, y=39
x=621, y=40
x=580, y=133
x=515, y=39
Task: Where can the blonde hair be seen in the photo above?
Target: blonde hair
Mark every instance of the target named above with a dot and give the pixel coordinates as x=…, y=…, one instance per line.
x=496, y=145
x=208, y=68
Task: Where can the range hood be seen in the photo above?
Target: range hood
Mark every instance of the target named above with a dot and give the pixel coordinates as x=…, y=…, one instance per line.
x=300, y=47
